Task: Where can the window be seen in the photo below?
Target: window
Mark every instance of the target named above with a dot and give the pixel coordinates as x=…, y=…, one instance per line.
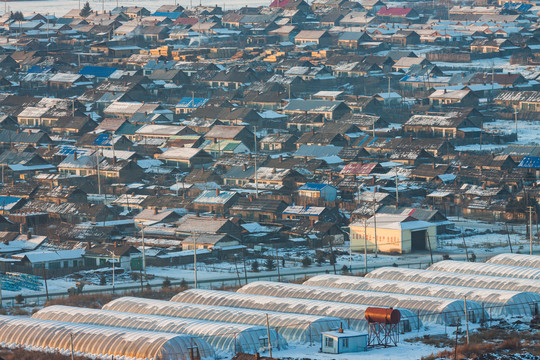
x=345, y=343
x=328, y=342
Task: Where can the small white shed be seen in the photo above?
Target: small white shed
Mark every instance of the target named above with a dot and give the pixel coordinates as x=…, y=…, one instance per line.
x=343, y=341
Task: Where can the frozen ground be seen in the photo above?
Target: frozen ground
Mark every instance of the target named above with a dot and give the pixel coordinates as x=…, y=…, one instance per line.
x=60, y=7
x=528, y=134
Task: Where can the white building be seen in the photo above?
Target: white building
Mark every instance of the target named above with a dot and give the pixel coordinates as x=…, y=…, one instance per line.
x=395, y=234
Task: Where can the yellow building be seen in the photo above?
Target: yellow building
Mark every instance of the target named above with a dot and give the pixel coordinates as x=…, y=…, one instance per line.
x=395, y=234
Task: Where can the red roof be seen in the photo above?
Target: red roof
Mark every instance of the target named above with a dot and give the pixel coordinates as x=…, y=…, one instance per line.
x=279, y=3
x=394, y=11
x=356, y=168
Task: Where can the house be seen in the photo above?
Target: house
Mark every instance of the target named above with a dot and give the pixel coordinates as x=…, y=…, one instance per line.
x=352, y=39
x=332, y=110
x=312, y=214
x=193, y=224
x=320, y=38
x=187, y=105
x=397, y=14
x=215, y=201
x=186, y=158
x=527, y=101
x=393, y=234
x=155, y=216
x=361, y=169
x=324, y=192
x=126, y=257
x=276, y=179
x=52, y=260
x=463, y=98
x=258, y=209
x=225, y=132
x=452, y=125
x=209, y=241
x=278, y=142
x=343, y=341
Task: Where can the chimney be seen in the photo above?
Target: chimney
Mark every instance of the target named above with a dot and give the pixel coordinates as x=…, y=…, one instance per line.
x=114, y=160
x=280, y=158
x=305, y=159
x=197, y=214
x=492, y=155
x=484, y=186
x=340, y=330
x=243, y=167
x=433, y=165
x=257, y=356
x=28, y=235
x=155, y=211
x=217, y=192
x=273, y=170
x=74, y=155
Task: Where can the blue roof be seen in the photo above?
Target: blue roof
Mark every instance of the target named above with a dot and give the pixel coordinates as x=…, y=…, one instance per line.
x=7, y=200
x=103, y=140
x=98, y=71
x=170, y=15
x=518, y=6
x=191, y=103
x=530, y=162
x=312, y=187
x=39, y=69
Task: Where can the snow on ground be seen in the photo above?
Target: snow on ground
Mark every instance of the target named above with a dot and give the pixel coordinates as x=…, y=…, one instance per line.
x=528, y=134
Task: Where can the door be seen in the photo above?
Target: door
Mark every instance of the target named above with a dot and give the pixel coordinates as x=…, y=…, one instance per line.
x=418, y=240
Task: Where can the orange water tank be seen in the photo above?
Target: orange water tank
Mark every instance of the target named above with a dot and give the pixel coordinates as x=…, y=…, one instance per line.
x=382, y=315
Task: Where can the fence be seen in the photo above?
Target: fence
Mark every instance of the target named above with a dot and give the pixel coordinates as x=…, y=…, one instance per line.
x=241, y=278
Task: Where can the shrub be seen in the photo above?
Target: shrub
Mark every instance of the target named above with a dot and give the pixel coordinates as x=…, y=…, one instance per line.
x=306, y=261
x=166, y=283
x=255, y=266
x=19, y=299
x=269, y=264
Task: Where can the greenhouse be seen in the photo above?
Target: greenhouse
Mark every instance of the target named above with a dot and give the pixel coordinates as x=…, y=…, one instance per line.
x=100, y=341
x=296, y=328
x=487, y=269
x=448, y=278
x=502, y=302
x=247, y=310
x=228, y=337
x=532, y=261
x=429, y=309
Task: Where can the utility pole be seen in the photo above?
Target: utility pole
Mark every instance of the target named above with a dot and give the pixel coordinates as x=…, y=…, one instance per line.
x=277, y=264
x=195, y=260
x=365, y=246
x=515, y=120
x=255, y=151
x=397, y=190
x=466, y=318
x=113, y=269
x=465, y=245
x=98, y=174
x=71, y=341
x=143, y=251
x=375, y=223
x=268, y=334
x=531, y=209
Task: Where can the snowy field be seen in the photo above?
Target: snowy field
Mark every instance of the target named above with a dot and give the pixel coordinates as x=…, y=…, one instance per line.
x=528, y=134
x=60, y=7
